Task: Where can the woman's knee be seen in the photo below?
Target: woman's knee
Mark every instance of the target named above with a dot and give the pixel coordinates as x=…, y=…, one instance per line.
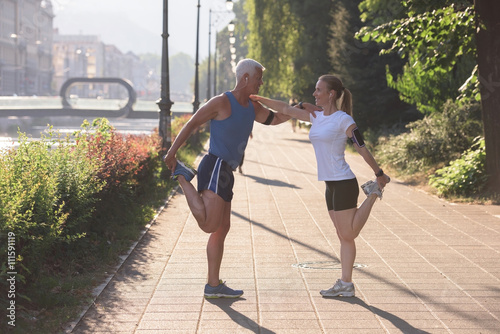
x=348, y=236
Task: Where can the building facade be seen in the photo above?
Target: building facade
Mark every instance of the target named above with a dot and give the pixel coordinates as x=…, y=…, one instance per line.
x=78, y=56
x=26, y=30
x=35, y=59
x=86, y=56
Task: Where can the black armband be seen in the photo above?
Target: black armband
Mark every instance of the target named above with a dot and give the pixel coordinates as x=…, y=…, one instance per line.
x=357, y=138
x=269, y=119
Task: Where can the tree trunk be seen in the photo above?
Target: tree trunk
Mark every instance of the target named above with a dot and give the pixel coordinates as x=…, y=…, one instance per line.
x=488, y=58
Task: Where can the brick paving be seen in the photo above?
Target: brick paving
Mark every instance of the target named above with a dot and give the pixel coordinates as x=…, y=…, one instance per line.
x=423, y=265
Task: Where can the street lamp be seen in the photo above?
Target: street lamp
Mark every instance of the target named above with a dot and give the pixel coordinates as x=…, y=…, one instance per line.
x=164, y=103
x=196, y=102
x=230, y=28
x=209, y=52
x=15, y=37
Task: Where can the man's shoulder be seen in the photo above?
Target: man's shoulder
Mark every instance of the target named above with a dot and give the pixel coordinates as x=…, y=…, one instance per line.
x=218, y=100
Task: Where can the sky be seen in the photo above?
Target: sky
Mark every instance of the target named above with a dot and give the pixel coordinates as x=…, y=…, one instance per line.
x=136, y=26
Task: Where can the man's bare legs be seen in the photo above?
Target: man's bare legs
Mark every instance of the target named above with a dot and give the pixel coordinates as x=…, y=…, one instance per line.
x=207, y=207
x=215, y=246
x=349, y=224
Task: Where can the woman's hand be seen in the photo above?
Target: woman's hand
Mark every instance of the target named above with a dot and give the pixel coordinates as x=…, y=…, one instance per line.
x=256, y=98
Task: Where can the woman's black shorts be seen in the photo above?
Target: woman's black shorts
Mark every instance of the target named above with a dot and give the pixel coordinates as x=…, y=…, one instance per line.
x=341, y=195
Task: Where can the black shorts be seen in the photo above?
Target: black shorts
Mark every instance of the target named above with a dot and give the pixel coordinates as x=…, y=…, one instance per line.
x=342, y=195
x=216, y=175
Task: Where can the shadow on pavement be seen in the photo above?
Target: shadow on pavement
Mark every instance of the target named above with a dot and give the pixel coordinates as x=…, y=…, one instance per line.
x=274, y=183
x=225, y=305
x=319, y=251
x=399, y=323
x=284, y=168
x=306, y=141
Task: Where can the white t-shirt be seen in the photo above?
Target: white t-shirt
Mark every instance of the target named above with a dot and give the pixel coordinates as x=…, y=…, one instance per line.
x=328, y=137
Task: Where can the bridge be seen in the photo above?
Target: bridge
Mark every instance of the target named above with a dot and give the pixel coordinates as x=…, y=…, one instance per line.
x=70, y=105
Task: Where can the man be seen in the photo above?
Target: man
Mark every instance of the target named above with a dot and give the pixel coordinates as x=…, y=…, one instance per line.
x=231, y=117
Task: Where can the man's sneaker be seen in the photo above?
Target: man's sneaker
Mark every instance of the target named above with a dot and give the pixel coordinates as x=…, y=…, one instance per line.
x=221, y=291
x=182, y=169
x=371, y=187
x=339, y=289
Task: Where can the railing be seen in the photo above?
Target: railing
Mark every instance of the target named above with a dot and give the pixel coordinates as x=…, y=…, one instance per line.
x=122, y=112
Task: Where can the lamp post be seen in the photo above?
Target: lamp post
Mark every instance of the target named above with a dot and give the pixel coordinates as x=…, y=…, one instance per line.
x=230, y=28
x=215, y=66
x=164, y=103
x=196, y=102
x=15, y=37
x=209, y=52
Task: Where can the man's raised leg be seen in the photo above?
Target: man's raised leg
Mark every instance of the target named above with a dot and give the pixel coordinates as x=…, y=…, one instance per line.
x=207, y=207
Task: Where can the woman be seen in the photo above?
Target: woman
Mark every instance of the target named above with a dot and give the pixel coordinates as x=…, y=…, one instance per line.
x=331, y=127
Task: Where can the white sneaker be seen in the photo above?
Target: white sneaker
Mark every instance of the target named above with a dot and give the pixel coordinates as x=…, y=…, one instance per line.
x=371, y=187
x=339, y=289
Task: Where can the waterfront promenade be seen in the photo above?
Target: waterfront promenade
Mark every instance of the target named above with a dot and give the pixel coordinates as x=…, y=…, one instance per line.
x=423, y=265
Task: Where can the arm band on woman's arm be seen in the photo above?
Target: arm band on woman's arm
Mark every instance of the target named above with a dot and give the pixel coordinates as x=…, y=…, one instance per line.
x=270, y=118
x=357, y=138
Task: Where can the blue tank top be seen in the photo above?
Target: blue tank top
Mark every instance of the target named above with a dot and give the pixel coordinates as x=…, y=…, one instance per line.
x=229, y=137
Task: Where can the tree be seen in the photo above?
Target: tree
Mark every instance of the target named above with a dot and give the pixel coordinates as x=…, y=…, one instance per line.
x=488, y=59
x=362, y=70
x=272, y=39
x=440, y=35
x=437, y=44
x=289, y=37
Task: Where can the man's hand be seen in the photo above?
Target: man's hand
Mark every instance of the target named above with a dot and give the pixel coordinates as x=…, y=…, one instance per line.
x=170, y=160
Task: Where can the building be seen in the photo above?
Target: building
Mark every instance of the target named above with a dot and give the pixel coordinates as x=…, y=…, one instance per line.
x=35, y=59
x=80, y=56
x=26, y=47
x=86, y=56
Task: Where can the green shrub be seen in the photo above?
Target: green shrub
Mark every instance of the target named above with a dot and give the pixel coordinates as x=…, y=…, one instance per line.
x=464, y=176
x=436, y=139
x=47, y=189
x=75, y=204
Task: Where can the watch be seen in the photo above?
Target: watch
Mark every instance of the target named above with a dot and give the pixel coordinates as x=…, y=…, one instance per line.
x=301, y=106
x=379, y=173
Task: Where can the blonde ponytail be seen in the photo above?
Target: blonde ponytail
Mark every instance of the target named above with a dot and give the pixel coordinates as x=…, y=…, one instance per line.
x=343, y=95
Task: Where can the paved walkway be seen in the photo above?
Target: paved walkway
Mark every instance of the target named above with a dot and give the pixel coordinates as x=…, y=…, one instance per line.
x=423, y=265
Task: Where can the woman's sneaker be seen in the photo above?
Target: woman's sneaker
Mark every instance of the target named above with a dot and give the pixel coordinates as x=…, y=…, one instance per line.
x=339, y=289
x=184, y=170
x=371, y=187
x=221, y=291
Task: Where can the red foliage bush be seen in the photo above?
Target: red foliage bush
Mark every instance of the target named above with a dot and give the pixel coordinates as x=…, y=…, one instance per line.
x=123, y=158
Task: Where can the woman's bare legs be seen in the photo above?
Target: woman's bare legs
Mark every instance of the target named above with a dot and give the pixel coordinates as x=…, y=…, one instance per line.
x=349, y=224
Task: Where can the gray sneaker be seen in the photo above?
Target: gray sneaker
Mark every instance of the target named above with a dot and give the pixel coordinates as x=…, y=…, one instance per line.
x=184, y=170
x=221, y=291
x=371, y=187
x=339, y=289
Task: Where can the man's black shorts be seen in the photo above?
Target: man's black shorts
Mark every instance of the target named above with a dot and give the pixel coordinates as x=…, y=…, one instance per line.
x=216, y=175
